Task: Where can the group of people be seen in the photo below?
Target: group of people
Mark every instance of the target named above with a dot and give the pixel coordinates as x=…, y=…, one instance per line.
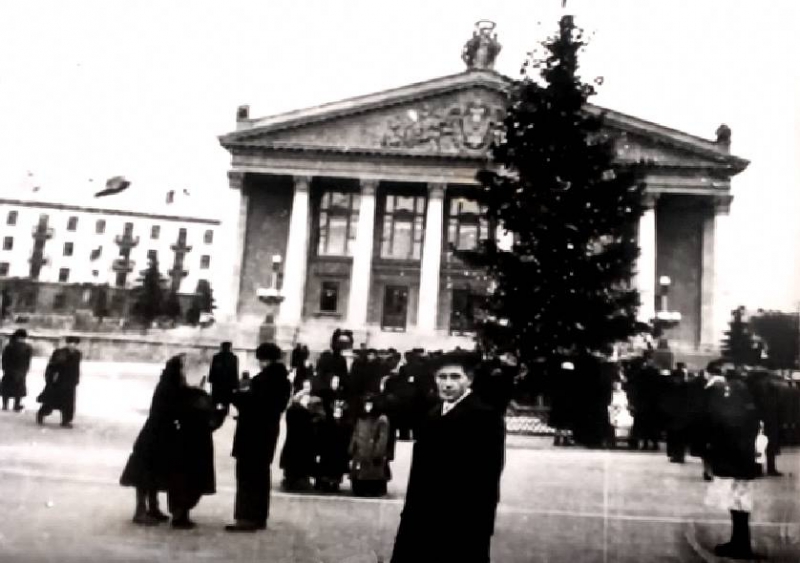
x=339, y=418
x=62, y=376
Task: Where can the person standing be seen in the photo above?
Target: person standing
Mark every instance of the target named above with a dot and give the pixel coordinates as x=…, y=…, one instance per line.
x=62, y=375
x=257, y=429
x=676, y=415
x=369, y=470
x=454, y=482
x=16, y=362
x=223, y=375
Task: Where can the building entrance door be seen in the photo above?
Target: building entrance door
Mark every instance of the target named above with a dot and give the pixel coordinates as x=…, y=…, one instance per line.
x=395, y=308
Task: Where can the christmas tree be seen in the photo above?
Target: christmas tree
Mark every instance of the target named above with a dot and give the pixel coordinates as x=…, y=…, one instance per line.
x=738, y=345
x=202, y=302
x=563, y=289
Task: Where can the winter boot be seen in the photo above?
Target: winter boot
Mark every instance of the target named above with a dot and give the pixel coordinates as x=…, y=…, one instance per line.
x=739, y=545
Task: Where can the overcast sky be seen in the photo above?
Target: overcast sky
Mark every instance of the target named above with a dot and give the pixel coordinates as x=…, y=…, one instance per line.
x=91, y=89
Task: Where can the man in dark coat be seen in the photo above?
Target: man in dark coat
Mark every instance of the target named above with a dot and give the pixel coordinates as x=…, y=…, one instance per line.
x=62, y=375
x=768, y=403
x=454, y=483
x=16, y=363
x=675, y=410
x=257, y=429
x=223, y=375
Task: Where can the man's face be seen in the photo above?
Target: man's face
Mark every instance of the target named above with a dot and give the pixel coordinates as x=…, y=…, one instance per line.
x=452, y=382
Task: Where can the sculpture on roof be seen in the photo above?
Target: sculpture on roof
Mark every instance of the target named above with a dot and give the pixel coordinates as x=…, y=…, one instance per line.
x=481, y=50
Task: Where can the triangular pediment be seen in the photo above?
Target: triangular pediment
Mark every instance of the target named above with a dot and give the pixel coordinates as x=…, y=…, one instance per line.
x=453, y=116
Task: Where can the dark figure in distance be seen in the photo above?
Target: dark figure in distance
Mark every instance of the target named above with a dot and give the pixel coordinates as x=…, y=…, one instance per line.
x=223, y=375
x=765, y=392
x=454, y=483
x=62, y=375
x=257, y=429
x=16, y=363
x=675, y=408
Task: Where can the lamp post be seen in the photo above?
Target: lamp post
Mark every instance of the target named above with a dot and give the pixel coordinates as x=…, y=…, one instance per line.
x=664, y=320
x=272, y=298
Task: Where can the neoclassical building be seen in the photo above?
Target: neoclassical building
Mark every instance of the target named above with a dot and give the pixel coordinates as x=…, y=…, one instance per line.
x=357, y=205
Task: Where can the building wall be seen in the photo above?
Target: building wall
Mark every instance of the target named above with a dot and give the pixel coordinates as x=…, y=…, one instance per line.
x=679, y=240
x=85, y=238
x=269, y=210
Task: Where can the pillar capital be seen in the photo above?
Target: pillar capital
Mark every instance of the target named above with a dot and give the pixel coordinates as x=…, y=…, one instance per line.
x=649, y=200
x=436, y=189
x=236, y=179
x=368, y=187
x=722, y=204
x=302, y=183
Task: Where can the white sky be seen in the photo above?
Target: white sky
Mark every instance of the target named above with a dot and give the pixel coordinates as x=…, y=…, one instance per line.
x=91, y=89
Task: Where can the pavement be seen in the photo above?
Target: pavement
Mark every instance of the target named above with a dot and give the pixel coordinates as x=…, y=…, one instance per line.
x=60, y=499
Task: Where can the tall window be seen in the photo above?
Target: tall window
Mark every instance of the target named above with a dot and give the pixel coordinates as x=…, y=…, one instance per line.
x=208, y=237
x=155, y=231
x=3, y=268
x=182, y=236
x=338, y=218
x=63, y=275
x=72, y=223
x=329, y=297
x=8, y=243
x=68, y=248
x=152, y=255
x=100, y=226
x=12, y=218
x=205, y=262
x=403, y=227
x=128, y=231
x=467, y=224
x=121, y=279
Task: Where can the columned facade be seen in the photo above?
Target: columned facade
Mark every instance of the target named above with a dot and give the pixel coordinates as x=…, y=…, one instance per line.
x=431, y=260
x=294, y=273
x=362, y=256
x=646, y=263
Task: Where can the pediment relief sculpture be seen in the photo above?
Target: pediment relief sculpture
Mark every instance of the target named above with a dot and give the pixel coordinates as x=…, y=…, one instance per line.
x=466, y=127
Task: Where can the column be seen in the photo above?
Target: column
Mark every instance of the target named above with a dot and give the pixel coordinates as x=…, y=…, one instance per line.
x=294, y=273
x=646, y=264
x=362, y=257
x=720, y=307
x=239, y=233
x=431, y=259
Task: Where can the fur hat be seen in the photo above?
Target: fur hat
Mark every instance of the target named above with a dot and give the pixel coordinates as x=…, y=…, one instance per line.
x=20, y=333
x=73, y=340
x=268, y=352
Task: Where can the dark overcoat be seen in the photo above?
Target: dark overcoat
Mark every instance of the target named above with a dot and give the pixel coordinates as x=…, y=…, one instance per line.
x=299, y=450
x=453, y=486
x=223, y=375
x=62, y=376
x=260, y=409
x=16, y=363
x=768, y=405
x=731, y=425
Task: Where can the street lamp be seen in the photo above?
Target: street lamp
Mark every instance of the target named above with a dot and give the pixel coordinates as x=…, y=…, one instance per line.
x=272, y=298
x=664, y=320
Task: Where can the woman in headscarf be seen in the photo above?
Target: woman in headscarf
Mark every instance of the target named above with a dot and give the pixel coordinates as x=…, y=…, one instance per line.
x=299, y=449
x=369, y=471
x=148, y=466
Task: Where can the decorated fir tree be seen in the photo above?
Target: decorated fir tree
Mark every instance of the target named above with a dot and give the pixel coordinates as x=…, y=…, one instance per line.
x=573, y=210
x=202, y=302
x=738, y=345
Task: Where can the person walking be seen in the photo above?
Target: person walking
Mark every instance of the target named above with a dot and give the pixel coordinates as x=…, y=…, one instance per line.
x=223, y=375
x=257, y=429
x=16, y=362
x=62, y=376
x=454, y=482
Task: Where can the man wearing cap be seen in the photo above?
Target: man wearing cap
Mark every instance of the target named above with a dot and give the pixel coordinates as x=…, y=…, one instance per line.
x=61, y=376
x=16, y=363
x=257, y=429
x=454, y=483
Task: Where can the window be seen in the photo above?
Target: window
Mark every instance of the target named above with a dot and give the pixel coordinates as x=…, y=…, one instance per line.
x=3, y=268
x=155, y=231
x=467, y=224
x=63, y=275
x=338, y=217
x=128, y=232
x=12, y=218
x=121, y=279
x=68, y=248
x=205, y=262
x=100, y=226
x=59, y=301
x=329, y=297
x=182, y=236
x=152, y=255
x=72, y=223
x=208, y=237
x=8, y=243
x=464, y=306
x=403, y=227
x=171, y=196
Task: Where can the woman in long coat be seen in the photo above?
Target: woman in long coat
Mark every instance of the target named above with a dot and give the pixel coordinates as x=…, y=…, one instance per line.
x=369, y=470
x=16, y=363
x=148, y=466
x=299, y=449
